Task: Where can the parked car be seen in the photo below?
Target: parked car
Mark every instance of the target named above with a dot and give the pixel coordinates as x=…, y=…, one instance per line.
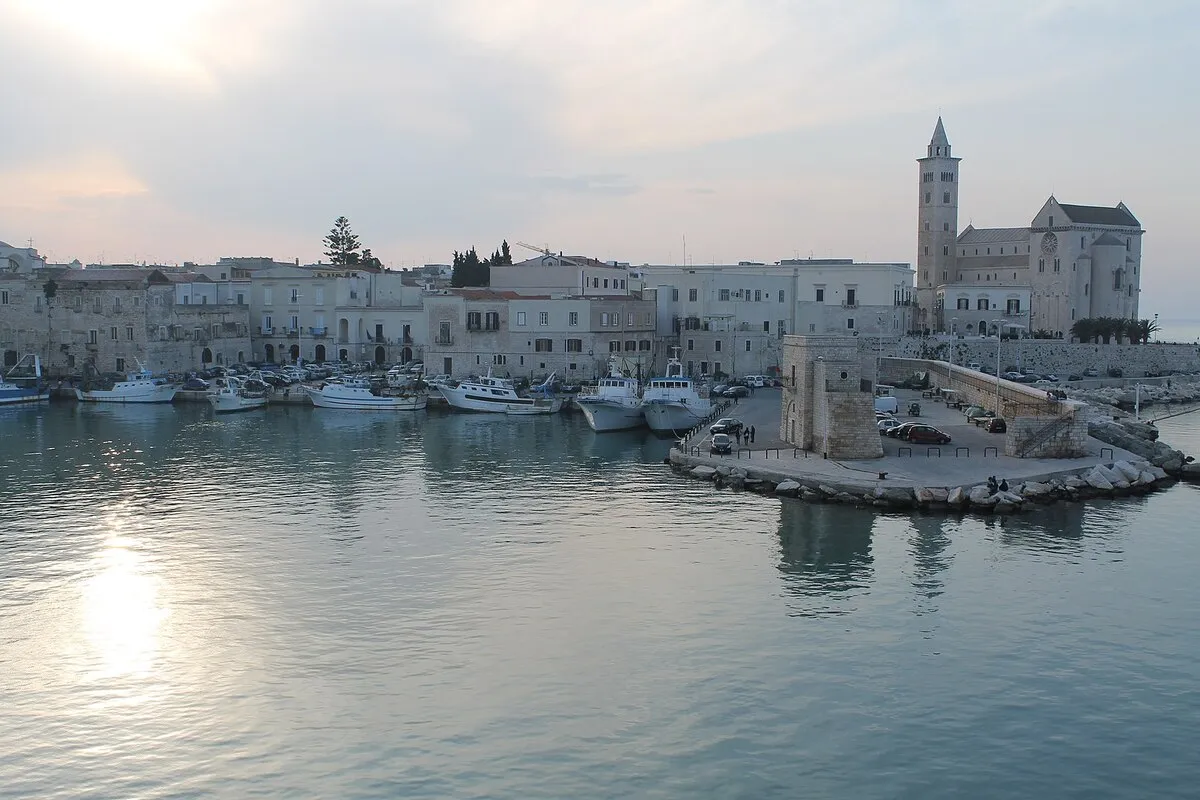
x=975, y=365
x=898, y=431
x=195, y=384
x=926, y=434
x=736, y=391
x=728, y=425
x=718, y=389
x=1013, y=376
x=886, y=424
x=721, y=444
x=1115, y=372
x=1091, y=372
x=757, y=381
x=995, y=425
x=1074, y=378
x=1050, y=376
x=970, y=412
x=1043, y=383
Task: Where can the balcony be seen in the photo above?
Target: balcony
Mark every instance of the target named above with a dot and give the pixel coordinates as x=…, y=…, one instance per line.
x=1017, y=313
x=849, y=304
x=292, y=333
x=264, y=331
x=318, y=333
x=444, y=340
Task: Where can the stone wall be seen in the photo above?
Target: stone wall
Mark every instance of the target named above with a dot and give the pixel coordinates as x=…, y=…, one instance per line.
x=1043, y=355
x=1068, y=440
x=824, y=407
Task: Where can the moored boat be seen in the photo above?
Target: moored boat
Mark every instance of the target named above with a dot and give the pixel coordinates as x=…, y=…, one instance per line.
x=671, y=403
x=23, y=382
x=359, y=394
x=136, y=387
x=239, y=394
x=499, y=396
x=614, y=405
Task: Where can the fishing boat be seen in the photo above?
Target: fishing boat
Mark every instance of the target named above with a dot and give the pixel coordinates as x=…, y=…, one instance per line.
x=614, y=404
x=359, y=394
x=499, y=396
x=23, y=383
x=671, y=403
x=135, y=387
x=239, y=394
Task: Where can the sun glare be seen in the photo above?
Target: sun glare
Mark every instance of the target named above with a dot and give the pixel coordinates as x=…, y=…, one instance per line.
x=121, y=612
x=154, y=33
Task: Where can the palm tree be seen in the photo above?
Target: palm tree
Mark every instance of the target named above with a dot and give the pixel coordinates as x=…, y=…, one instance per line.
x=1084, y=330
x=1104, y=328
x=1145, y=329
x=1121, y=328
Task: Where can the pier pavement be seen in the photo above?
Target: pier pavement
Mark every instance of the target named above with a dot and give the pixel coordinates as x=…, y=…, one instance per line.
x=972, y=456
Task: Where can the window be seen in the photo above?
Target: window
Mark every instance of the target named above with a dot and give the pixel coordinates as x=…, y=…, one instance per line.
x=606, y=283
x=319, y=295
x=521, y=319
x=241, y=299
x=945, y=250
x=216, y=329
x=3, y=298
x=595, y=283
x=1057, y=264
x=543, y=318
x=821, y=294
x=112, y=332
x=1085, y=290
x=574, y=345
x=96, y=305
x=603, y=319
x=946, y=197
x=674, y=295
x=981, y=304
x=946, y=226
x=78, y=303
x=444, y=333
x=630, y=345
x=129, y=332
x=120, y=365
x=692, y=295
x=267, y=295
x=614, y=347
x=926, y=226
x=293, y=322
x=691, y=367
x=780, y=329
x=266, y=323
x=491, y=321
x=717, y=346
x=758, y=295
x=766, y=326
x=629, y=320
x=543, y=345
x=963, y=304
x=295, y=293
x=850, y=323
x=851, y=297
x=474, y=321
x=93, y=337
x=781, y=295
x=1041, y=265
x=644, y=345
x=928, y=198
x=646, y=317
x=499, y=360
x=747, y=345
x=691, y=344
x=723, y=295
x=926, y=249
x=1051, y=220
x=1012, y=307
x=573, y=318
x=116, y=305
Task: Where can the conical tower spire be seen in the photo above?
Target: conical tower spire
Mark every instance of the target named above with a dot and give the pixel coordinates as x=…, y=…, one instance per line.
x=939, y=145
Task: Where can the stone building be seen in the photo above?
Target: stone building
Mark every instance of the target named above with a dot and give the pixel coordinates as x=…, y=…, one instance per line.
x=1075, y=261
x=116, y=318
x=521, y=335
x=826, y=405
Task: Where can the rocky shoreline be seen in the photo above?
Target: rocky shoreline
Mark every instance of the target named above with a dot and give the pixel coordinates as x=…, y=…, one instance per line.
x=1158, y=465
x=1148, y=395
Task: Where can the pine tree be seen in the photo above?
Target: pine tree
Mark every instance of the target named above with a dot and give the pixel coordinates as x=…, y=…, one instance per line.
x=341, y=244
x=505, y=253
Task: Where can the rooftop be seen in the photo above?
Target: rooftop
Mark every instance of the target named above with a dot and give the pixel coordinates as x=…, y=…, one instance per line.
x=973, y=235
x=1101, y=215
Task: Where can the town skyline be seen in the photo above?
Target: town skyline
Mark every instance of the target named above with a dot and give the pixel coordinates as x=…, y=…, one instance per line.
x=205, y=129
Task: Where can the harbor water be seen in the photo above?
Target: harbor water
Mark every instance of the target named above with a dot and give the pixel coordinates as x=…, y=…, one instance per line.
x=310, y=603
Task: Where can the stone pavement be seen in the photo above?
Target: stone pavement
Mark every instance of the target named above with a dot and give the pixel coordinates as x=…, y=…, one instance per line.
x=972, y=456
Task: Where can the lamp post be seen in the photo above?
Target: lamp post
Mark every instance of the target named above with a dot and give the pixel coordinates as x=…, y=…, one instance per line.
x=953, y=336
x=998, y=323
x=1155, y=332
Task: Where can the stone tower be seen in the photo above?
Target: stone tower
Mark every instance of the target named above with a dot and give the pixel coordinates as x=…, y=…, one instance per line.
x=937, y=224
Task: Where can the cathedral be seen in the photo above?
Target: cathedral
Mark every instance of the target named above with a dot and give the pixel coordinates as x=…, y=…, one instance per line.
x=1071, y=262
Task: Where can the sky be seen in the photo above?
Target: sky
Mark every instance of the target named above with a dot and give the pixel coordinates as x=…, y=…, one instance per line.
x=636, y=130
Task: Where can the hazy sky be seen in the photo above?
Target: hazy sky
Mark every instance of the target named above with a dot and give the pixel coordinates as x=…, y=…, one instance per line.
x=175, y=130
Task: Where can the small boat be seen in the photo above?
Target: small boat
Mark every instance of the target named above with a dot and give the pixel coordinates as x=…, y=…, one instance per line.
x=671, y=404
x=23, y=383
x=614, y=405
x=359, y=394
x=499, y=396
x=136, y=387
x=239, y=394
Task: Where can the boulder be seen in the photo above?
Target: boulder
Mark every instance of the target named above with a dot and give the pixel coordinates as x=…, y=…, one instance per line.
x=940, y=495
x=1038, y=492
x=956, y=496
x=846, y=498
x=738, y=473
x=788, y=488
x=980, y=497
x=924, y=496
x=1098, y=480
x=1172, y=465
x=703, y=473
x=1008, y=497
x=1159, y=473
x=1190, y=471
x=1146, y=478
x=724, y=470
x=1004, y=507
x=1074, y=482
x=897, y=497
x=811, y=496
x=1129, y=471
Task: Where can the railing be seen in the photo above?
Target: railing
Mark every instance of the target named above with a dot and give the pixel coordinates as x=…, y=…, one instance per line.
x=444, y=340
x=1045, y=433
x=318, y=333
x=266, y=331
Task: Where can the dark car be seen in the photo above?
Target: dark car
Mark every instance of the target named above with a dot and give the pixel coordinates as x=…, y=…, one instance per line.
x=721, y=444
x=995, y=425
x=1074, y=378
x=195, y=384
x=727, y=425
x=901, y=431
x=736, y=391
x=926, y=434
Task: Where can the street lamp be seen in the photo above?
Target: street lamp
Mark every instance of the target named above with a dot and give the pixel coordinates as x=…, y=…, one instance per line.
x=1155, y=331
x=953, y=336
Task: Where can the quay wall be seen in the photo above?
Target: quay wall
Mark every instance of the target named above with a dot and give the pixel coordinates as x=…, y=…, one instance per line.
x=1041, y=355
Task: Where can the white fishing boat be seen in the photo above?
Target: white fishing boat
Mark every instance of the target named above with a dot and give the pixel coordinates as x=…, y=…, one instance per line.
x=136, y=387
x=615, y=404
x=499, y=396
x=671, y=403
x=23, y=383
x=239, y=394
x=358, y=394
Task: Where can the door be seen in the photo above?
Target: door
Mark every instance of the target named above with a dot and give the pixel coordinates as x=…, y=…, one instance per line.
x=380, y=353
x=294, y=351
x=447, y=366
x=205, y=357
x=270, y=351
x=406, y=355
x=319, y=352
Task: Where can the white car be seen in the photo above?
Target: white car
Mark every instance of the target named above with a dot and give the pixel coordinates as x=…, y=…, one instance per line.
x=887, y=423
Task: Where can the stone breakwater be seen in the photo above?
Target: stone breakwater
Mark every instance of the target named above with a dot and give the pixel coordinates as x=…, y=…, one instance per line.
x=1157, y=465
x=1148, y=395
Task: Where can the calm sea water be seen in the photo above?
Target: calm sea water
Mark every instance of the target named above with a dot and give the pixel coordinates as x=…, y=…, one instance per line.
x=309, y=603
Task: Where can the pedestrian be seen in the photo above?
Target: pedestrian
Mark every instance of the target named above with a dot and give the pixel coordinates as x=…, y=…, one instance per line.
x=737, y=434
x=1004, y=484
x=751, y=434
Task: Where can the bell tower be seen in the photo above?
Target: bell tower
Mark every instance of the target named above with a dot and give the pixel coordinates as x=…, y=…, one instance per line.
x=937, y=225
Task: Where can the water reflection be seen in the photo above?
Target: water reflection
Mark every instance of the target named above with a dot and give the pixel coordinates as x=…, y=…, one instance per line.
x=121, y=613
x=929, y=551
x=825, y=556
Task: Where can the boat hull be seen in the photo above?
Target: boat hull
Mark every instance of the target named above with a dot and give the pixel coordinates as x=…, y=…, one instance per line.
x=141, y=394
x=229, y=404
x=605, y=416
x=13, y=396
x=365, y=401
x=467, y=401
x=671, y=418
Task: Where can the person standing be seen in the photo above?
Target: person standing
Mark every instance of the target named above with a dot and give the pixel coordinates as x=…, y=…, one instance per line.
x=737, y=434
x=751, y=434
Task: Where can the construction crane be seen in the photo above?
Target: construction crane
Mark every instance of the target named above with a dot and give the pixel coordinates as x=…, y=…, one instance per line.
x=543, y=250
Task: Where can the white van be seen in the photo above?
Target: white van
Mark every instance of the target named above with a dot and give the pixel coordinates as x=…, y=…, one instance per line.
x=887, y=404
x=757, y=381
